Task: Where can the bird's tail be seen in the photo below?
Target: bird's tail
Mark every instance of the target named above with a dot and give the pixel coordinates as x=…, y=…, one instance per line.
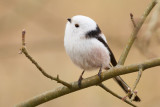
x=125, y=87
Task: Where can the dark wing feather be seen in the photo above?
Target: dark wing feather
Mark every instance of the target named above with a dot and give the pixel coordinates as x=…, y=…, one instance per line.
x=96, y=34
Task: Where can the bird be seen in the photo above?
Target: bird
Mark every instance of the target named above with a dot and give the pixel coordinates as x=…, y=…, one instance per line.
x=88, y=48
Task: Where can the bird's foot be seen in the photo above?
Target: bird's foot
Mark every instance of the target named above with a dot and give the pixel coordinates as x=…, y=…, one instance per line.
x=132, y=95
x=79, y=81
x=127, y=95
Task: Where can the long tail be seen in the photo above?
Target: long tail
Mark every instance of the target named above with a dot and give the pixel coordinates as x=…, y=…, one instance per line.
x=125, y=87
x=118, y=79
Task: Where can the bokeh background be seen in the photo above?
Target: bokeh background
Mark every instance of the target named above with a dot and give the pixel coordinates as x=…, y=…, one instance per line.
x=44, y=21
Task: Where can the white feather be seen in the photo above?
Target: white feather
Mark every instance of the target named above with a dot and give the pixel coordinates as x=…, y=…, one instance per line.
x=87, y=53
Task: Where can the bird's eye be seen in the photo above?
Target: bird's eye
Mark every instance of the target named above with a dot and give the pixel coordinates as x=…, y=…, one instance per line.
x=77, y=25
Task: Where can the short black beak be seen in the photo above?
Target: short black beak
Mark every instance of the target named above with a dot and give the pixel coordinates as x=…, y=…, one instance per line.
x=69, y=19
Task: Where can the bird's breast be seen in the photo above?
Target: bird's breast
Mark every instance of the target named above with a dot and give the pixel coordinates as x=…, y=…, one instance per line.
x=88, y=54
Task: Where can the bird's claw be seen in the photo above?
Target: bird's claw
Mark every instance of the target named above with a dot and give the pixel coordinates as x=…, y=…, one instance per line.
x=99, y=73
x=79, y=81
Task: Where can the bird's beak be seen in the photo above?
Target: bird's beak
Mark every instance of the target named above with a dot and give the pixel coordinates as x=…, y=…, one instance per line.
x=69, y=19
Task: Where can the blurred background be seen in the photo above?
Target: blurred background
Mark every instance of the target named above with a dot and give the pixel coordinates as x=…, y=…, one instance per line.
x=44, y=21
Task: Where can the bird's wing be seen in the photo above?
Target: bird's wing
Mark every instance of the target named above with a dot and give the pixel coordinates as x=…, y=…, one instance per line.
x=100, y=37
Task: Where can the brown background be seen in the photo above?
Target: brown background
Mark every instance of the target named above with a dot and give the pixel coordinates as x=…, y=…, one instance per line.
x=44, y=21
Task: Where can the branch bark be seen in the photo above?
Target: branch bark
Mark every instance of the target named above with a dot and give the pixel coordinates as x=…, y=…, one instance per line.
x=91, y=81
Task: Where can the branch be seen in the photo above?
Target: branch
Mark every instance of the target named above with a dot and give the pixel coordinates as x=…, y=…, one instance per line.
x=91, y=81
x=135, y=32
x=131, y=92
x=132, y=19
x=151, y=29
x=116, y=95
x=139, y=73
x=94, y=80
x=136, y=83
x=23, y=50
x=138, y=78
x=152, y=26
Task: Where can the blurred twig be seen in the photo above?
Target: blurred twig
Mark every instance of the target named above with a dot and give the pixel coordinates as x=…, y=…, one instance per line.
x=152, y=26
x=23, y=50
x=135, y=32
x=134, y=35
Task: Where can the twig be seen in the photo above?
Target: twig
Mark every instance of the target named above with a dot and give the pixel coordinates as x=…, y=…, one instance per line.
x=116, y=95
x=136, y=83
x=134, y=35
x=23, y=37
x=23, y=50
x=132, y=92
x=151, y=26
x=90, y=81
x=135, y=32
x=132, y=19
x=138, y=78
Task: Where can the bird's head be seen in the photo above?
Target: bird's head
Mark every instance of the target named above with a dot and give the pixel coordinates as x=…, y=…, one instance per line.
x=80, y=25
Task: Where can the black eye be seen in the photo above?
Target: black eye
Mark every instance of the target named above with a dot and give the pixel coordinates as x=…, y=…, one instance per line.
x=77, y=25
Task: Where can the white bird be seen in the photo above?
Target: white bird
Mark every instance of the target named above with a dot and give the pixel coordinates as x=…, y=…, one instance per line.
x=87, y=47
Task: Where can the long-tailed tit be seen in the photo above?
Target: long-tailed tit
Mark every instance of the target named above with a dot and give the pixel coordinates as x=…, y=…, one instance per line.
x=87, y=47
